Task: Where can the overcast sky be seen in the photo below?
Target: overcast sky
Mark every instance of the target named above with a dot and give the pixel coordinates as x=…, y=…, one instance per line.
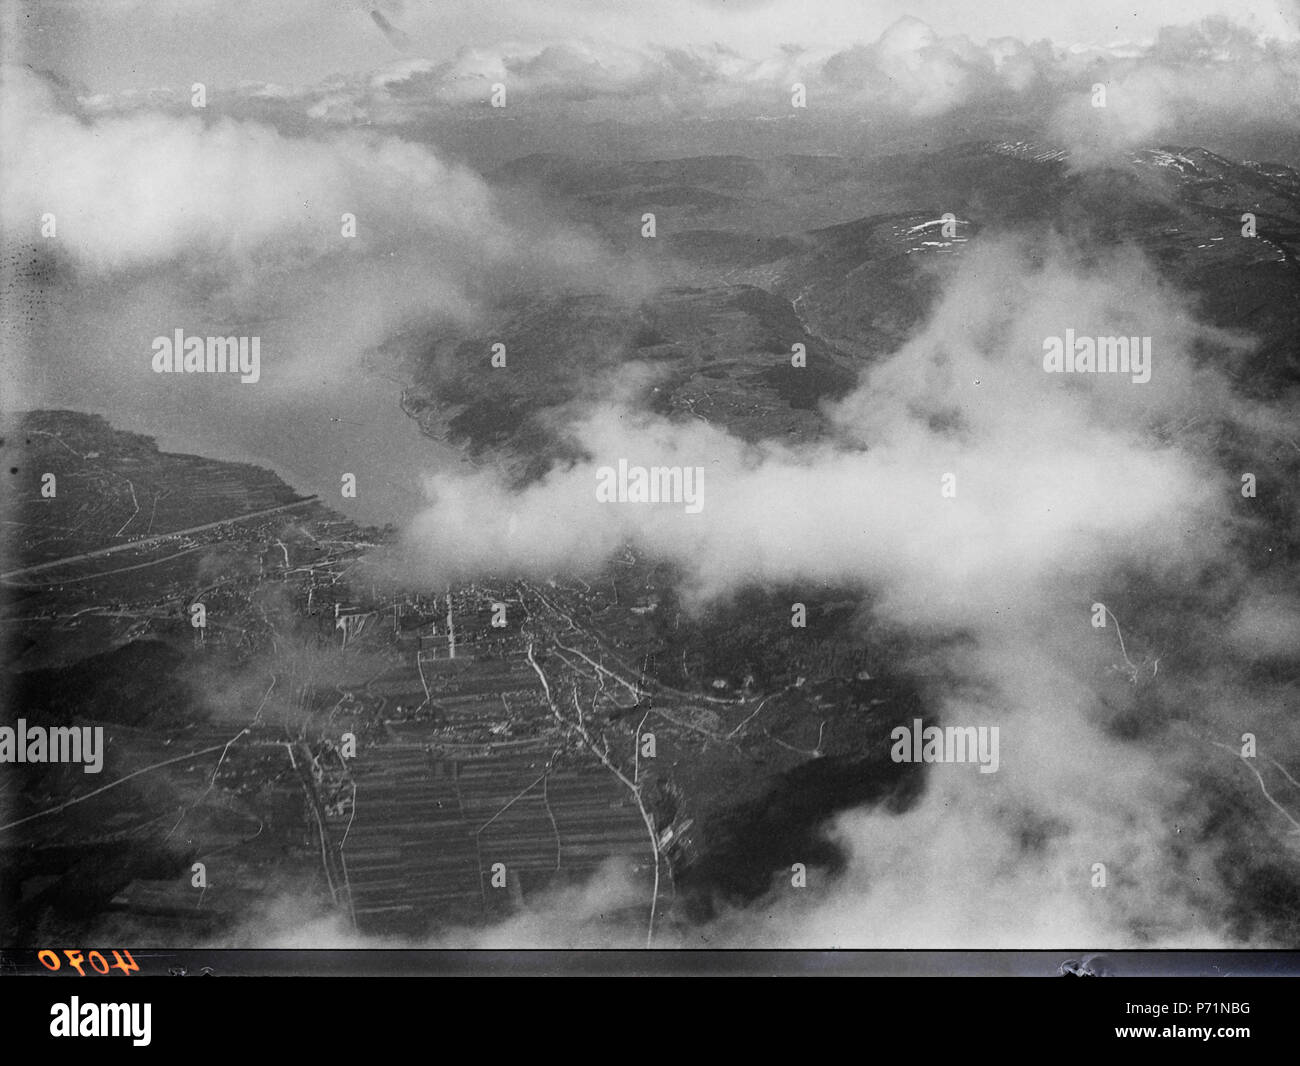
x=130, y=44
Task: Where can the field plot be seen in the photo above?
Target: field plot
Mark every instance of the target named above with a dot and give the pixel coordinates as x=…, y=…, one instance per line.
x=429, y=830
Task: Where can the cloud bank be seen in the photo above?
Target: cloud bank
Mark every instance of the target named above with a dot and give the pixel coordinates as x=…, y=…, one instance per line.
x=324, y=244
x=1216, y=70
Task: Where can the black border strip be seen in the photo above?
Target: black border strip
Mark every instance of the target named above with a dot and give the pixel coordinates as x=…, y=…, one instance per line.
x=378, y=962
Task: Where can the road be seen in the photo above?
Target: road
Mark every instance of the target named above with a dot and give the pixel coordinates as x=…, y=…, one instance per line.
x=146, y=541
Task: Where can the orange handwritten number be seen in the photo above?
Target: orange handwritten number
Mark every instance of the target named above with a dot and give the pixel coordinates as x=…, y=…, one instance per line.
x=128, y=965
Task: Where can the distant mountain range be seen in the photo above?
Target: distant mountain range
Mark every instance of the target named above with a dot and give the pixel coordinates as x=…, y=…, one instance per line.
x=842, y=255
